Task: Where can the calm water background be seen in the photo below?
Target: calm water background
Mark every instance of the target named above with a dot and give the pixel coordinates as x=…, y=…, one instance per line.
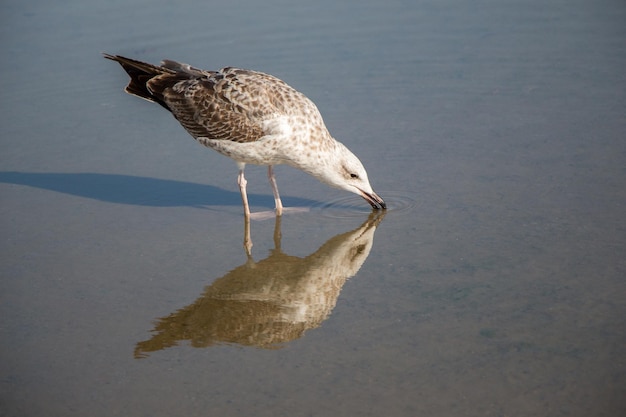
x=497, y=129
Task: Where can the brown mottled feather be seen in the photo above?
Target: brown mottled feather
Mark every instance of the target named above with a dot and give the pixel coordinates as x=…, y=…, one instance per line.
x=140, y=73
x=211, y=104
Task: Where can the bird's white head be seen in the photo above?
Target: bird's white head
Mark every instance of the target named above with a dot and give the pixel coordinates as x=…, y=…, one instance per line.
x=342, y=169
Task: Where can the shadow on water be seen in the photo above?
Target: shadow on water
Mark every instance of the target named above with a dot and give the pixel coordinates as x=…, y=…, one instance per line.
x=268, y=303
x=142, y=191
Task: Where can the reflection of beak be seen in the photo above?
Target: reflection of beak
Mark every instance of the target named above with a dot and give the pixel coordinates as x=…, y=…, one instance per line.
x=375, y=201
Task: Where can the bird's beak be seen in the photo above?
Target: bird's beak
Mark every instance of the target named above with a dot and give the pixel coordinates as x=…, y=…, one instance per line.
x=375, y=201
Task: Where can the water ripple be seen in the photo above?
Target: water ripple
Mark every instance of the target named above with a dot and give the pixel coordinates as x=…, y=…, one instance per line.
x=352, y=205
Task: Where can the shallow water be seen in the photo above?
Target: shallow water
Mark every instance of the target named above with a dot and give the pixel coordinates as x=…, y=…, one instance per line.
x=493, y=286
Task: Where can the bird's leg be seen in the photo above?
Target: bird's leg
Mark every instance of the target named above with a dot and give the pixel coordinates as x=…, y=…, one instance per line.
x=241, y=180
x=279, y=204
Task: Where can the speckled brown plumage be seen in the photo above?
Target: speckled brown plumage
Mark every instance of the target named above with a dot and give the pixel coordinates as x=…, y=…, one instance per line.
x=221, y=104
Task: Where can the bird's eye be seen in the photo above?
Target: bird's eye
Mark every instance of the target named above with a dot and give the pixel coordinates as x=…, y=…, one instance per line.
x=354, y=176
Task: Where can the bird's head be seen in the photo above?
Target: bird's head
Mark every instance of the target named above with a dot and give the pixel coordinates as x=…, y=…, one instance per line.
x=342, y=169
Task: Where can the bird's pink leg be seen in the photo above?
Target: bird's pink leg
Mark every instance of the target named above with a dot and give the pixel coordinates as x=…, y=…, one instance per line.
x=279, y=203
x=241, y=180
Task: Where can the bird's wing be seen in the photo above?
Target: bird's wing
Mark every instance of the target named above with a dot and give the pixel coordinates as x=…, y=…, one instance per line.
x=229, y=104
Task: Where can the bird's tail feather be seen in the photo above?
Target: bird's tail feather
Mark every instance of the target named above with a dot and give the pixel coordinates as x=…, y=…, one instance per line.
x=140, y=73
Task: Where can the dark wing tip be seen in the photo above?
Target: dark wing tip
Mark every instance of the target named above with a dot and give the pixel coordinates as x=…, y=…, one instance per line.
x=140, y=74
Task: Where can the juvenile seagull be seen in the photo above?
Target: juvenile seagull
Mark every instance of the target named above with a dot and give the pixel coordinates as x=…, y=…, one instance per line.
x=253, y=118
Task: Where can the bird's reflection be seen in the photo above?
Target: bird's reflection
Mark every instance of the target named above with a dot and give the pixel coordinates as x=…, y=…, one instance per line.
x=270, y=302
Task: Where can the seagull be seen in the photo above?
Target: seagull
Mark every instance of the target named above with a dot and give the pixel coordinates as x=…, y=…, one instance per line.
x=253, y=118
